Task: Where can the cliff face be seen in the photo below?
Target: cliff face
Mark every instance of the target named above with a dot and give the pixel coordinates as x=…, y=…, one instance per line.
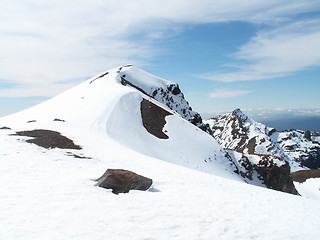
x=276, y=177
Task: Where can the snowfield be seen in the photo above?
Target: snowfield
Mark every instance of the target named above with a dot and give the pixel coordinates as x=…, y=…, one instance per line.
x=51, y=193
x=46, y=194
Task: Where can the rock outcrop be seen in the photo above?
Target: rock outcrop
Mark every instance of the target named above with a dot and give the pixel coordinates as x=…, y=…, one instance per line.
x=48, y=139
x=122, y=181
x=163, y=91
x=276, y=177
x=262, y=156
x=238, y=132
x=153, y=118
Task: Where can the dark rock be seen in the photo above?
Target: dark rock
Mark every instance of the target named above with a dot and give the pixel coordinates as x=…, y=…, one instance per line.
x=270, y=174
x=122, y=181
x=174, y=88
x=252, y=145
x=48, y=139
x=5, y=128
x=302, y=175
x=276, y=177
x=101, y=76
x=307, y=135
x=312, y=160
x=77, y=156
x=58, y=120
x=153, y=118
x=272, y=131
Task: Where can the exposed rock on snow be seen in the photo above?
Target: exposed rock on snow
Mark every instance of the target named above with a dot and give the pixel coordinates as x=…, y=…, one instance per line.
x=302, y=175
x=58, y=120
x=5, y=128
x=238, y=132
x=302, y=152
x=276, y=177
x=48, y=139
x=164, y=91
x=122, y=181
x=153, y=118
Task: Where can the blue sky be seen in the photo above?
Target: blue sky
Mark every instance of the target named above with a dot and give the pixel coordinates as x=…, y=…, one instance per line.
x=261, y=56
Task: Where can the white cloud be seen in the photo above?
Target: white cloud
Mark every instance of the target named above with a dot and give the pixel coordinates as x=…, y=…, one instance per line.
x=45, y=42
x=228, y=93
x=276, y=53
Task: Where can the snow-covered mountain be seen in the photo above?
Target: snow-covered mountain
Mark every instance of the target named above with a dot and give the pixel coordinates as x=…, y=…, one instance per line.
x=150, y=115
x=238, y=132
x=126, y=118
x=116, y=105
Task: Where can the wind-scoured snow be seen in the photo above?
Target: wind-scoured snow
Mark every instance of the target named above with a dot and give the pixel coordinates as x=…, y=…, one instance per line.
x=50, y=194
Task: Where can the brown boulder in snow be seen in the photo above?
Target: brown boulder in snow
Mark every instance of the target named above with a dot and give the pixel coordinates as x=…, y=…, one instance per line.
x=122, y=181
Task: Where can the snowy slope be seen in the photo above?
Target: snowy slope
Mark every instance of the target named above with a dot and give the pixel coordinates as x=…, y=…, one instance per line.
x=104, y=107
x=51, y=193
x=47, y=194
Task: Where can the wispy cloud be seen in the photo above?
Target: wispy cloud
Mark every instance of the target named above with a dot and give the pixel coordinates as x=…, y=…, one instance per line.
x=228, y=93
x=276, y=53
x=46, y=42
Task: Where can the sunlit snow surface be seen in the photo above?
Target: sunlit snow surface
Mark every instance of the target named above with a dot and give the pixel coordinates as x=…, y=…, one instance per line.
x=45, y=194
x=310, y=188
x=49, y=194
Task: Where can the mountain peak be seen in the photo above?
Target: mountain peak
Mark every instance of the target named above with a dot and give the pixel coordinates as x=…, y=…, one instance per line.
x=163, y=91
x=237, y=112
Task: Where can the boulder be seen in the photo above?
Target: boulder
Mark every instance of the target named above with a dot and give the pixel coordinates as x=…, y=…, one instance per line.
x=122, y=181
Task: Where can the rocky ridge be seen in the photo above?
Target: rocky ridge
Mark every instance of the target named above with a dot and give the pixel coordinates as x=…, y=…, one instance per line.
x=236, y=131
x=258, y=169
x=166, y=92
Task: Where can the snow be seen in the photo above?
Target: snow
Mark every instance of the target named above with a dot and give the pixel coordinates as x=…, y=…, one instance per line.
x=49, y=194
x=125, y=125
x=46, y=194
x=144, y=80
x=310, y=188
